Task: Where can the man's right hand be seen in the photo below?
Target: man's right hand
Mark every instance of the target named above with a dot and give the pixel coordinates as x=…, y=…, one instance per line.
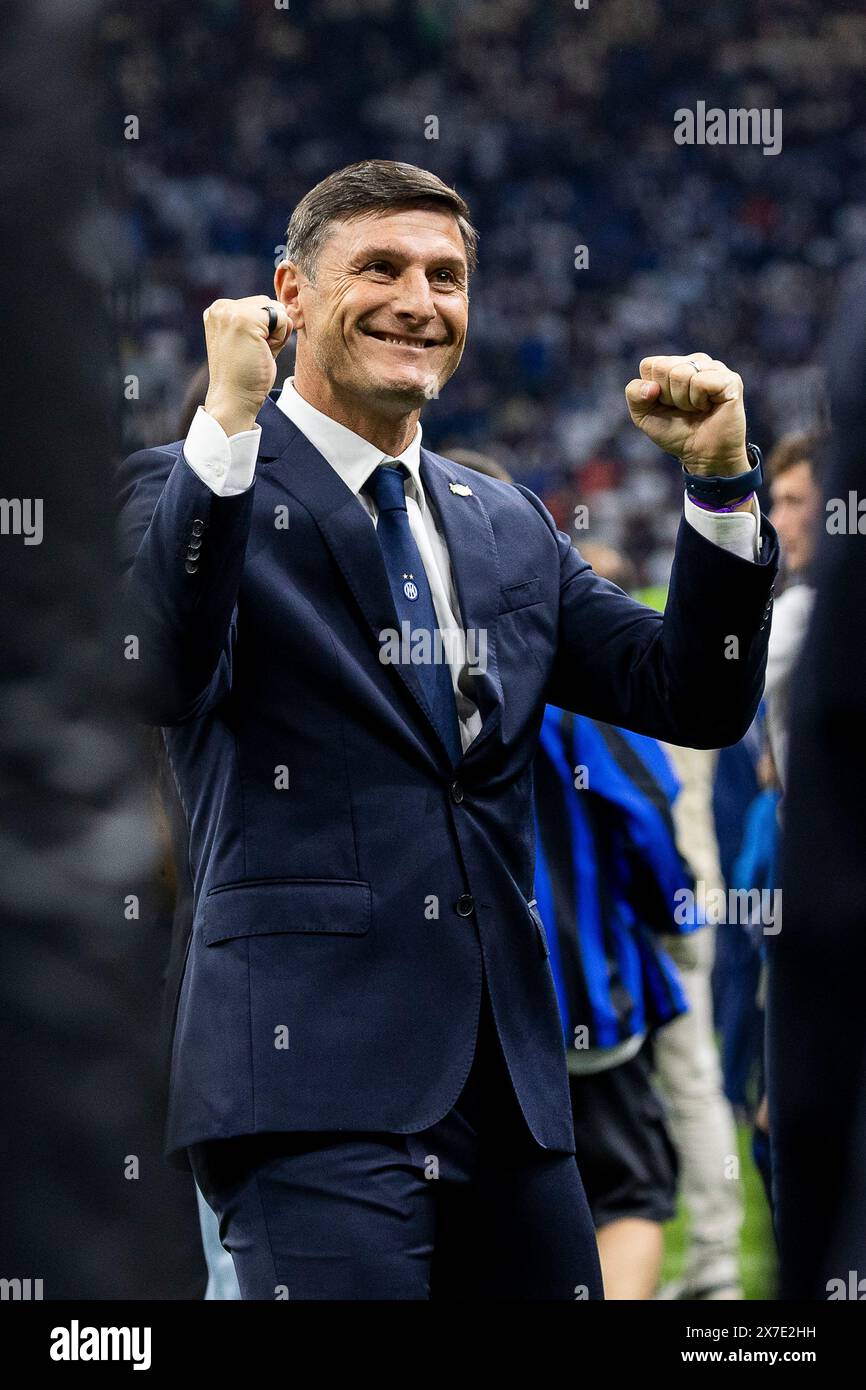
x=242, y=359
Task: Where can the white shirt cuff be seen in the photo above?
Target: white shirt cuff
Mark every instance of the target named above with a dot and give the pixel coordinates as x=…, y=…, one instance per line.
x=226, y=465
x=738, y=532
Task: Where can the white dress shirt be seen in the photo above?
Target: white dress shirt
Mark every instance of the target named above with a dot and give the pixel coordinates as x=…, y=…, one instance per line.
x=227, y=466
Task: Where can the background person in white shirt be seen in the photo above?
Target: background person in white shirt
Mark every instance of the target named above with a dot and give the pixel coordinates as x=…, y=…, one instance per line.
x=794, y=474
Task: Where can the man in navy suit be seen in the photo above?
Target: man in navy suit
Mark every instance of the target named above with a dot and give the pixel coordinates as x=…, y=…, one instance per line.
x=349, y=643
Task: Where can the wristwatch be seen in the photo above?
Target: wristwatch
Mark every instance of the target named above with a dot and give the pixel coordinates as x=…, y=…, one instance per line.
x=716, y=492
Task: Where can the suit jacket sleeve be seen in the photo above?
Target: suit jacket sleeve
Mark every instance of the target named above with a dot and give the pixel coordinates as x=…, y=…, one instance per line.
x=182, y=552
x=677, y=677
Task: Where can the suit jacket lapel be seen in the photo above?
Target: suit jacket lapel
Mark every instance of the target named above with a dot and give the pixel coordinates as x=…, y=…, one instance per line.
x=350, y=535
x=475, y=567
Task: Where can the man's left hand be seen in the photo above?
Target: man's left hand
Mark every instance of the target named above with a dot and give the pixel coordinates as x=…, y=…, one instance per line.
x=692, y=407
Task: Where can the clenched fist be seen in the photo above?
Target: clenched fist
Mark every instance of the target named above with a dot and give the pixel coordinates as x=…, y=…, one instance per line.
x=242, y=357
x=692, y=407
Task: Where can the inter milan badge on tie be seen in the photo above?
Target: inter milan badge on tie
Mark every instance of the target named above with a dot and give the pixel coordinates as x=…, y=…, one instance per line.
x=410, y=588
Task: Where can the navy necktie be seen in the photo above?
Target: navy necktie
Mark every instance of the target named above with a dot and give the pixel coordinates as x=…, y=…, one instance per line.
x=413, y=599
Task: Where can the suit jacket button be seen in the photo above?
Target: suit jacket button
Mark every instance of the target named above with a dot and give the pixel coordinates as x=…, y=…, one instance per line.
x=197, y=526
x=191, y=567
x=465, y=905
x=456, y=793
x=195, y=544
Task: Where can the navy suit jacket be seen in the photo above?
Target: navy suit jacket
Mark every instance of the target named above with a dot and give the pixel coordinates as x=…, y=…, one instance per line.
x=333, y=975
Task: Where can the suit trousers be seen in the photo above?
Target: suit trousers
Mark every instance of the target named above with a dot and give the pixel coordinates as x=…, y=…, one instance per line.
x=470, y=1208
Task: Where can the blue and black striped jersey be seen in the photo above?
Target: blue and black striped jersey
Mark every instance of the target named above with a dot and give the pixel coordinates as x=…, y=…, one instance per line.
x=607, y=869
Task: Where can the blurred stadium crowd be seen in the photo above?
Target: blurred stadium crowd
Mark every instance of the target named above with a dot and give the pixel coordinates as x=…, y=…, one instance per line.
x=557, y=126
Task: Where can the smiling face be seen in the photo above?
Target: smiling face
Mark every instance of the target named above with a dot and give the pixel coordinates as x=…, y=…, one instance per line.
x=383, y=325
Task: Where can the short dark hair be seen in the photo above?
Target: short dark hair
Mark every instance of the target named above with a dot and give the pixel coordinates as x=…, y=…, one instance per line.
x=798, y=446
x=372, y=185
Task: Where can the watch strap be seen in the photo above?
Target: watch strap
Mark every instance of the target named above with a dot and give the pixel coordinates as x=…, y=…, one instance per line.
x=718, y=491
